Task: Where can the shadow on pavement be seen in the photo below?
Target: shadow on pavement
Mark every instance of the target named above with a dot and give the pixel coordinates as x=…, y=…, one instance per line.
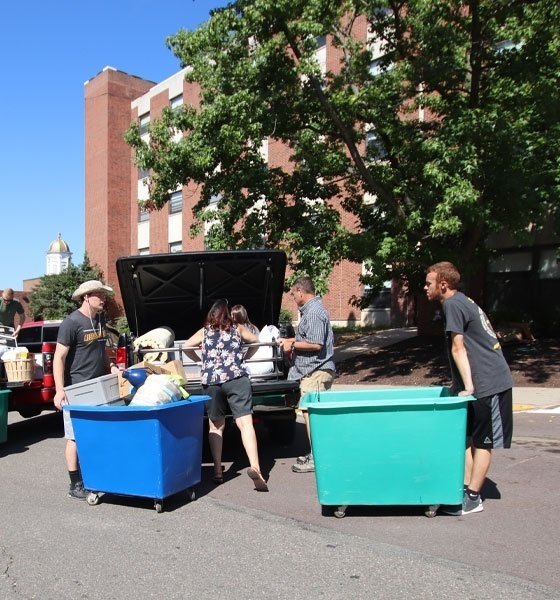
x=25, y=433
x=233, y=453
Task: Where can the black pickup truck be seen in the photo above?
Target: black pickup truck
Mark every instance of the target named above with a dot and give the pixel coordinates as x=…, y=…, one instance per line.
x=177, y=290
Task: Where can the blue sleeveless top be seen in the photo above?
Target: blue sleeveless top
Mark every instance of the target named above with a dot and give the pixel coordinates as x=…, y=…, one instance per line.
x=222, y=356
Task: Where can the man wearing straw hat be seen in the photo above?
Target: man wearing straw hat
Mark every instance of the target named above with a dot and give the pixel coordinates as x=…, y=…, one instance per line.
x=80, y=356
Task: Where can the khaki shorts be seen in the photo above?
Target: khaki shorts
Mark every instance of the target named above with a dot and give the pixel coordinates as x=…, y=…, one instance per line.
x=318, y=381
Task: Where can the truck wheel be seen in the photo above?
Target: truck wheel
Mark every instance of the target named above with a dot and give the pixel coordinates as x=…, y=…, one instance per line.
x=27, y=414
x=281, y=432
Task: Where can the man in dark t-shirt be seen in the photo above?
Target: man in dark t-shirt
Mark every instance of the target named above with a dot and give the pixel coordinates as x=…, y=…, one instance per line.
x=9, y=308
x=478, y=368
x=80, y=356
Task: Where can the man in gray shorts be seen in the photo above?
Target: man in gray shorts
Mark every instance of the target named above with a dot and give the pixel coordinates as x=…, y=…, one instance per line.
x=478, y=368
x=313, y=349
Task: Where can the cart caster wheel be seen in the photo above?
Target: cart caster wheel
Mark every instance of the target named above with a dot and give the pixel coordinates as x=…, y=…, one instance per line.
x=340, y=512
x=191, y=495
x=431, y=511
x=158, y=506
x=92, y=498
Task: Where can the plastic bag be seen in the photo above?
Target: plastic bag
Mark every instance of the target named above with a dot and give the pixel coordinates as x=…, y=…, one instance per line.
x=156, y=390
x=15, y=354
x=268, y=334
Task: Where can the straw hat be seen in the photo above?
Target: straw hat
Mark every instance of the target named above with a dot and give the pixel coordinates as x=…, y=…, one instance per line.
x=88, y=287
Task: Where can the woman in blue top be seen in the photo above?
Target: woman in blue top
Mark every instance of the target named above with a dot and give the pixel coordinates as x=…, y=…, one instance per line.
x=224, y=378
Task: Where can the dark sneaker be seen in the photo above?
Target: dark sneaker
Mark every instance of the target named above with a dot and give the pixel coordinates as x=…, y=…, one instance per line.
x=301, y=460
x=469, y=506
x=308, y=466
x=77, y=491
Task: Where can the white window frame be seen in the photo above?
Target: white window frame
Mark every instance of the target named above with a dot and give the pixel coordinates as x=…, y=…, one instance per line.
x=176, y=202
x=143, y=123
x=176, y=102
x=175, y=247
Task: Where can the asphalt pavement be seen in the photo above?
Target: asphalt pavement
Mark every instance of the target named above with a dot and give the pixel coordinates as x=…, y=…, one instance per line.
x=235, y=542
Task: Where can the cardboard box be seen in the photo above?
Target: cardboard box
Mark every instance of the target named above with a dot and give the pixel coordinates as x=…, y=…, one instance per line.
x=173, y=366
x=124, y=386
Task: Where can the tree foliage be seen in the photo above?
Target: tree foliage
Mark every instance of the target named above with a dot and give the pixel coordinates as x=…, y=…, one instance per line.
x=419, y=143
x=52, y=296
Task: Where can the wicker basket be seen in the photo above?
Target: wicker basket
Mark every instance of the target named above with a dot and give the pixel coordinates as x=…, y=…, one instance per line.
x=20, y=369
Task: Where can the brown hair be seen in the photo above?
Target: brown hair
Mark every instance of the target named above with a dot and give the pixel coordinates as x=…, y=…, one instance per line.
x=239, y=315
x=447, y=272
x=218, y=316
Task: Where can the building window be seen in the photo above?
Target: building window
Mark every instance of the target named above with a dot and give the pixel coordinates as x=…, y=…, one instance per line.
x=143, y=215
x=382, y=64
x=375, y=148
x=176, y=103
x=176, y=202
x=175, y=247
x=321, y=41
x=143, y=173
x=144, y=123
x=143, y=251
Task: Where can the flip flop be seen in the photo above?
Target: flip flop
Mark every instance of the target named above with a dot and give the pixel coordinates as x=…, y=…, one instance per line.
x=218, y=479
x=260, y=483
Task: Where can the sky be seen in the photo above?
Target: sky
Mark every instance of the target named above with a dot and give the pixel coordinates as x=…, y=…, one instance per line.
x=48, y=50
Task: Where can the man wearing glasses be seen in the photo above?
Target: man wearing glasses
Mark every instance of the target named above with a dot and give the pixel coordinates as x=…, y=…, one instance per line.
x=9, y=309
x=312, y=350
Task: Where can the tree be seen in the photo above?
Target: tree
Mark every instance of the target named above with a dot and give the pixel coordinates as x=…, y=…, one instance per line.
x=440, y=130
x=52, y=297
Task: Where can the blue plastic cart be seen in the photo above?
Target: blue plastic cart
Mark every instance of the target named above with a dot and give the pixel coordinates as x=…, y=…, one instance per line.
x=147, y=451
x=396, y=446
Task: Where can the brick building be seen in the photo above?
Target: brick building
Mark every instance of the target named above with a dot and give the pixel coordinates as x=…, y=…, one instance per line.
x=511, y=283
x=115, y=226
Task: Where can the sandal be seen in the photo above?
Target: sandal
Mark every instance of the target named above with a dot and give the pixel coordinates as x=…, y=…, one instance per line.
x=218, y=478
x=258, y=480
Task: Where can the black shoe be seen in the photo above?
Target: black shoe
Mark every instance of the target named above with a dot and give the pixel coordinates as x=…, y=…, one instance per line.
x=77, y=491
